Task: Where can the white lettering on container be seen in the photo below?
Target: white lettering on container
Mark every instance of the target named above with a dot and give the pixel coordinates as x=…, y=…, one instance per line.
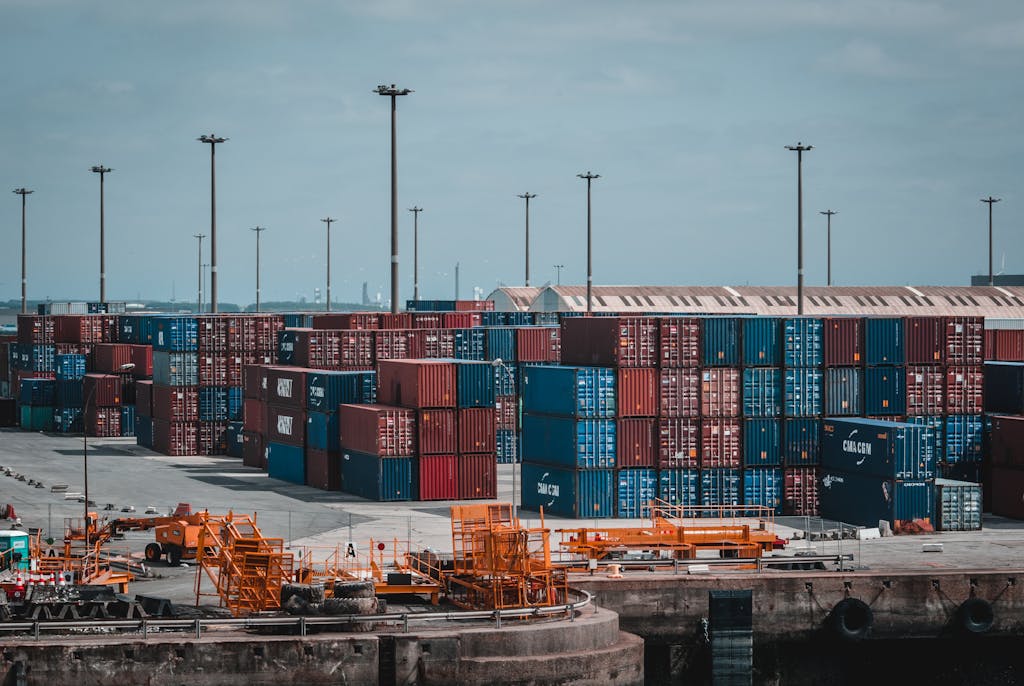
x=284, y=388
x=857, y=447
x=284, y=425
x=830, y=479
x=547, y=489
x=315, y=392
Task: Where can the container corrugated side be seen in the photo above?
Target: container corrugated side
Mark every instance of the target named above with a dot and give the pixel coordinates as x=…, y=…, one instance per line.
x=761, y=342
x=763, y=486
x=957, y=505
x=569, y=391
x=568, y=442
x=416, y=383
x=577, y=494
x=884, y=341
x=926, y=390
x=377, y=429
x=474, y=384
x=865, y=500
x=720, y=487
x=679, y=486
x=962, y=438
x=501, y=343
x=322, y=431
x=892, y=450
x=678, y=442
x=802, y=392
x=762, y=442
x=720, y=339
x=924, y=339
x=323, y=469
x=803, y=342
x=477, y=476
x=841, y=391
x=476, y=430
x=636, y=489
x=762, y=392
x=885, y=391
x=436, y=432
x=379, y=478
x=637, y=391
x=326, y=389
x=286, y=462
x=637, y=446
x=720, y=442
x=801, y=442
x=721, y=393
x=438, y=477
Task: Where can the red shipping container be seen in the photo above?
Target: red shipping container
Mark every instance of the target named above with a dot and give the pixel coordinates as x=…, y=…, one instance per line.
x=346, y=320
x=254, y=382
x=679, y=392
x=964, y=390
x=720, y=444
x=610, y=341
x=176, y=403
x=438, y=477
x=286, y=425
x=460, y=320
x=636, y=442
x=720, y=392
x=100, y=390
x=678, y=443
x=213, y=369
x=477, y=476
x=539, y=344
x=1007, y=488
x=392, y=344
x=35, y=329
x=476, y=430
x=259, y=333
x=102, y=421
x=427, y=343
x=323, y=469
x=84, y=328
x=144, y=398
x=357, y=348
x=800, y=491
x=925, y=390
x=253, y=358
x=384, y=430
x=74, y=349
x=1006, y=441
x=436, y=431
x=211, y=438
x=254, y=415
x=1008, y=345
x=394, y=320
x=637, y=391
x=234, y=369
x=506, y=412
x=679, y=342
x=212, y=333
x=842, y=341
x=416, y=383
x=426, y=320
x=142, y=357
x=990, y=345
x=253, y=453
x=286, y=386
x=924, y=339
x=474, y=305
x=964, y=340
x=174, y=438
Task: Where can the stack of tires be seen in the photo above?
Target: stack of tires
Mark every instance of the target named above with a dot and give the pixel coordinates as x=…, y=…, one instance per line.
x=346, y=598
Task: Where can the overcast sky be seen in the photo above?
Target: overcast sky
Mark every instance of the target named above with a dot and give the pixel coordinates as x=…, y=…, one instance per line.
x=914, y=110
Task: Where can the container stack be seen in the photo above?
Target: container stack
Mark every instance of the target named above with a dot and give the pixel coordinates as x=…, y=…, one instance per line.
x=36, y=398
x=283, y=423
x=803, y=358
x=102, y=402
x=67, y=416
x=34, y=354
x=762, y=410
x=721, y=401
x=326, y=390
x=378, y=451
x=960, y=456
x=677, y=440
x=175, y=383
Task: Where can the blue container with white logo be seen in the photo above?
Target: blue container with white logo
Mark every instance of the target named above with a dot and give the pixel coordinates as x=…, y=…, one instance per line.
x=568, y=442
x=636, y=489
x=573, y=493
x=890, y=450
x=325, y=390
x=569, y=391
x=286, y=346
x=762, y=442
x=763, y=486
x=867, y=499
x=762, y=392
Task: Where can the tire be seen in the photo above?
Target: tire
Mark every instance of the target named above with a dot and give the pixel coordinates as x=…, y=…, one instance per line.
x=353, y=589
x=975, y=616
x=173, y=555
x=851, y=619
x=153, y=552
x=310, y=593
x=350, y=606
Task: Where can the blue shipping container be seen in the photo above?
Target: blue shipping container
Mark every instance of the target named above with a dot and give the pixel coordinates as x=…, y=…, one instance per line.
x=763, y=486
x=883, y=341
x=1004, y=387
x=298, y=320
x=235, y=403
x=866, y=499
x=569, y=391
x=213, y=404
x=70, y=367
x=379, y=478
x=962, y=441
x=578, y=494
x=325, y=390
x=679, y=486
x=474, y=383
x=842, y=391
x=762, y=392
x=234, y=439
x=322, y=431
x=720, y=486
x=144, y=431
x=885, y=391
x=67, y=420
x=127, y=420
x=802, y=392
x=507, y=446
x=891, y=450
x=501, y=343
x=938, y=424
x=37, y=392
x=801, y=442
x=286, y=462
x=175, y=333
x=761, y=342
x=762, y=442
x=42, y=358
x=636, y=489
x=721, y=337
x=470, y=344
x=802, y=342
x=568, y=442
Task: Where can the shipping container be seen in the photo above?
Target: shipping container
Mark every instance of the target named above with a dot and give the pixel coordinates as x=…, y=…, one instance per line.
x=286, y=386
x=500, y=342
x=925, y=340
x=68, y=420
x=1005, y=440
x=110, y=357
x=175, y=333
x=506, y=412
x=720, y=487
x=286, y=342
x=322, y=432
x=379, y=478
x=476, y=430
x=38, y=392
x=385, y=430
x=761, y=341
x=35, y=330
x=802, y=391
x=254, y=383
x=610, y=341
x=438, y=478
x=885, y=391
x=866, y=499
x=1004, y=345
x=720, y=337
x=762, y=392
x=213, y=404
x=962, y=438
x=680, y=487
x=101, y=389
x=884, y=341
x=936, y=422
x=144, y=398
x=36, y=418
x=254, y=453
x=104, y=422
x=569, y=442
x=762, y=442
x=841, y=391
x=892, y=450
x=637, y=446
x=507, y=446
x=287, y=462
x=800, y=491
x=392, y=344
x=763, y=486
x=68, y=393
x=539, y=344
x=678, y=443
x=679, y=392
x=637, y=391
x=720, y=443
x=572, y=493
x=436, y=431
x=957, y=505
x=325, y=390
x=569, y=391
x=416, y=383
x=174, y=438
x=964, y=390
x=346, y=320
x=235, y=444
x=1007, y=491
x=142, y=357
x=637, y=488
x=1003, y=384
x=474, y=383
x=144, y=431
x=803, y=342
x=175, y=368
x=470, y=344
x=286, y=425
x=394, y=320
x=175, y=403
x=477, y=476
x=721, y=392
x=323, y=469
x=70, y=367
x=679, y=342
x=964, y=340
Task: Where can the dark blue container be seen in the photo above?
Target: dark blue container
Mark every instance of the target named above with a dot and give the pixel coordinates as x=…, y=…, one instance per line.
x=213, y=403
x=379, y=478
x=679, y=486
x=325, y=390
x=14, y=356
x=474, y=383
x=175, y=333
x=761, y=342
x=286, y=462
x=720, y=486
x=801, y=442
x=128, y=331
x=569, y=442
x=144, y=431
x=891, y=450
x=762, y=442
x=569, y=391
x=507, y=446
x=67, y=420
x=127, y=420
x=636, y=489
x=842, y=391
x=506, y=379
x=234, y=439
x=865, y=499
x=936, y=423
x=1004, y=387
x=501, y=343
x=42, y=358
x=802, y=388
x=470, y=344
x=298, y=320
x=763, y=486
x=573, y=493
x=885, y=391
x=762, y=392
x=493, y=318
x=70, y=367
x=322, y=431
x=38, y=392
x=518, y=318
x=962, y=440
x=721, y=336
x=883, y=341
x=286, y=346
x=802, y=342
x=546, y=318
x=235, y=403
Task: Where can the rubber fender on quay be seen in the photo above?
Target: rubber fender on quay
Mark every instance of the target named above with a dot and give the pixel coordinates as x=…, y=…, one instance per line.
x=975, y=616
x=851, y=619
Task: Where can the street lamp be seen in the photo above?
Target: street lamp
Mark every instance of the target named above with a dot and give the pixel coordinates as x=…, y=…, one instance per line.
x=498, y=363
x=415, y=252
x=102, y=171
x=23, y=192
x=328, y=220
x=393, y=93
x=199, y=271
x=590, y=278
x=800, y=149
x=526, y=196
x=829, y=213
x=213, y=141
x=258, y=230
x=558, y=271
x=991, y=201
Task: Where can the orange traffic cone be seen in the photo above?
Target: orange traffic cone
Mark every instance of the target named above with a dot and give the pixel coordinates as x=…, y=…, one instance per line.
x=50, y=581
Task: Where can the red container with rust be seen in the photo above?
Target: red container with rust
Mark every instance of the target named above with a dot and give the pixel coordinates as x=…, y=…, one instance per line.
x=638, y=391
x=142, y=357
x=426, y=320
x=211, y=438
x=102, y=421
x=110, y=357
x=416, y=383
x=924, y=339
x=253, y=453
x=356, y=348
x=100, y=390
x=679, y=342
x=35, y=329
x=80, y=328
x=144, y=398
x=460, y=320
x=636, y=442
x=965, y=340
x=323, y=469
x=720, y=392
x=1008, y=492
x=610, y=341
x=427, y=343
x=384, y=430
x=842, y=341
x=392, y=344
x=720, y=443
x=678, y=443
x=476, y=430
x=539, y=344
x=394, y=320
x=254, y=381
x=800, y=491
x=213, y=369
x=964, y=390
x=679, y=392
x=174, y=438
x=286, y=425
x=346, y=320
x=436, y=431
x=438, y=477
x=212, y=333
x=926, y=390
x=254, y=415
x=477, y=476
x=474, y=305
x=286, y=386
x=506, y=411
x=176, y=403
x=1006, y=345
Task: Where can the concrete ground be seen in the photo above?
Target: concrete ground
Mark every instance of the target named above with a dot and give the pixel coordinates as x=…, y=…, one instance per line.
x=123, y=474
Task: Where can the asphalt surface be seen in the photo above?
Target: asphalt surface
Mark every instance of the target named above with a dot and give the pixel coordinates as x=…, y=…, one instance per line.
x=124, y=475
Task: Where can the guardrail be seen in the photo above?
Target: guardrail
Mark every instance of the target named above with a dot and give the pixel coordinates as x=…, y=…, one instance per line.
x=300, y=623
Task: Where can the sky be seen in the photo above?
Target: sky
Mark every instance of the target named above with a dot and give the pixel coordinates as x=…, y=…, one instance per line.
x=683, y=108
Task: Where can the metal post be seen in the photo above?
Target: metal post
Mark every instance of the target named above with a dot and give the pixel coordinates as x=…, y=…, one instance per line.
x=558, y=271
x=800, y=148
x=456, y=280
x=393, y=93
x=199, y=270
x=23, y=192
x=829, y=213
x=213, y=141
x=102, y=171
x=526, y=196
x=590, y=277
x=258, y=230
x=328, y=220
x=415, y=252
x=991, y=201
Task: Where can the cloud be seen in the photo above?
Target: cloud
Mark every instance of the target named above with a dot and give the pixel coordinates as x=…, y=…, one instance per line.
x=864, y=58
x=1008, y=36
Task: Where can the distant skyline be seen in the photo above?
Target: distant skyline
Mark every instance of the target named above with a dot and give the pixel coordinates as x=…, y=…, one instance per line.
x=683, y=108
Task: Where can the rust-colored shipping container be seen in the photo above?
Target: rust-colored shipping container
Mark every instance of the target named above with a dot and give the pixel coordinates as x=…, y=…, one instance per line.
x=254, y=381
x=1006, y=441
x=721, y=393
x=84, y=328
x=964, y=390
x=323, y=469
x=506, y=412
x=610, y=341
x=842, y=341
x=637, y=392
x=346, y=320
x=212, y=333
x=110, y=357
x=474, y=305
x=1007, y=345
x=385, y=430
x=394, y=320
x=175, y=403
x=678, y=443
x=213, y=369
x=965, y=340
x=438, y=477
x=286, y=424
x=720, y=444
x=356, y=348
x=392, y=344
x=142, y=357
x=427, y=343
x=286, y=386
x=416, y=383
x=144, y=398
x=254, y=415
x=436, y=430
x=253, y=453
x=679, y=392
x=211, y=438
x=637, y=445
x=259, y=333
x=460, y=320
x=926, y=390
x=35, y=329
x=539, y=344
x=104, y=422
x=1008, y=491
x=476, y=430
x=679, y=342
x=924, y=339
x=990, y=345
x=426, y=320
x=800, y=491
x=264, y=359
x=477, y=476
x=174, y=438
x=100, y=390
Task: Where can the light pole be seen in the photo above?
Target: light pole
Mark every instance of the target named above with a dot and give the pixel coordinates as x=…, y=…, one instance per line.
x=558, y=271
x=526, y=196
x=415, y=252
x=199, y=271
x=23, y=192
x=590, y=276
x=393, y=93
x=328, y=220
x=213, y=141
x=258, y=230
x=498, y=363
x=991, y=201
x=800, y=149
x=829, y=213
x=102, y=171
